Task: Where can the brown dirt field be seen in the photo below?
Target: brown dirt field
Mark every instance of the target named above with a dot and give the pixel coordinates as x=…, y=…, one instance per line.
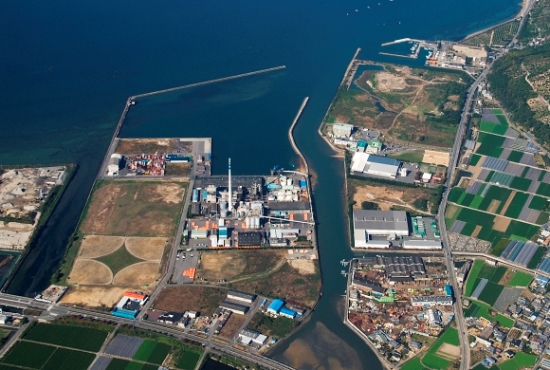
x=305, y=267
x=449, y=350
x=508, y=275
x=386, y=197
x=508, y=201
x=146, y=248
x=232, y=326
x=386, y=82
x=190, y=298
x=151, y=146
x=101, y=209
x=165, y=193
x=440, y=158
x=451, y=211
x=99, y=245
x=476, y=231
x=94, y=296
x=138, y=275
x=90, y=272
x=501, y=224
x=221, y=264
x=493, y=206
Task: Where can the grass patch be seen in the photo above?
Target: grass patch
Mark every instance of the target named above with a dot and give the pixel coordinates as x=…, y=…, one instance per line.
x=522, y=229
x=145, y=350
x=486, y=271
x=476, y=268
x=497, y=249
x=435, y=362
x=188, y=361
x=479, y=309
x=65, y=359
x=544, y=189
x=19, y=355
x=520, y=360
x=474, y=159
x=68, y=336
x=497, y=111
x=159, y=353
x=538, y=203
x=499, y=273
x=536, y=258
x=278, y=327
x=520, y=183
x=414, y=156
x=491, y=127
x=456, y=194
x=413, y=364
x=119, y=259
x=520, y=279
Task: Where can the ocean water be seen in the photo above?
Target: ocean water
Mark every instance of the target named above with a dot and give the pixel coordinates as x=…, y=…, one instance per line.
x=67, y=68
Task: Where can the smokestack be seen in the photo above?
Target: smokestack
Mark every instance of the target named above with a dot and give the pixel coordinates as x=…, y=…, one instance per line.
x=230, y=200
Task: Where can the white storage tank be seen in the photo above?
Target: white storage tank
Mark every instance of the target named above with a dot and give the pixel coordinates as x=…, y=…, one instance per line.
x=213, y=240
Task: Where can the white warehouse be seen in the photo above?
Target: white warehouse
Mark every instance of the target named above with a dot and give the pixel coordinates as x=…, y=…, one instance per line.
x=380, y=223
x=374, y=165
x=422, y=244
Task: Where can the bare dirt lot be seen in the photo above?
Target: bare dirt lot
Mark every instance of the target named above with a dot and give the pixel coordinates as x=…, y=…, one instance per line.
x=387, y=196
x=150, y=249
x=304, y=266
x=99, y=245
x=387, y=82
x=90, y=272
x=449, y=351
x=138, y=275
x=133, y=208
x=501, y=224
x=190, y=298
x=221, y=264
x=94, y=296
x=232, y=326
x=151, y=146
x=439, y=158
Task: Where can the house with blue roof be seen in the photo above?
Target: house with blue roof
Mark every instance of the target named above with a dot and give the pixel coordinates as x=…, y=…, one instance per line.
x=275, y=306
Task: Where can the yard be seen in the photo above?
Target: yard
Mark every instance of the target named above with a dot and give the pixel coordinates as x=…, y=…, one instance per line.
x=190, y=298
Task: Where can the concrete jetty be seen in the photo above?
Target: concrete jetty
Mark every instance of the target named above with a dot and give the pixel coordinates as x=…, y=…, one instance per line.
x=207, y=82
x=291, y=136
x=400, y=41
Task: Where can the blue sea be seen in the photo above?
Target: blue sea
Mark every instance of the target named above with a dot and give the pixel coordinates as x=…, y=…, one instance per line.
x=67, y=68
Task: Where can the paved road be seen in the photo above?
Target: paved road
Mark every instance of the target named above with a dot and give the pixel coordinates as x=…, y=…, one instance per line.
x=54, y=310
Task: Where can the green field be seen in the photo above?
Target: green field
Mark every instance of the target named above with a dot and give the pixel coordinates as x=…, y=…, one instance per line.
x=118, y=364
x=490, y=293
x=455, y=194
x=490, y=144
x=544, y=189
x=66, y=359
x=479, y=309
x=495, y=193
x=521, y=229
x=470, y=282
x=536, y=258
x=188, y=360
x=474, y=159
x=515, y=156
x=519, y=361
x=119, y=259
x=19, y=355
x=520, y=279
x=521, y=183
x=152, y=352
x=515, y=207
x=68, y=336
x=497, y=111
x=538, y=203
x=414, y=156
x=413, y=364
x=431, y=359
x=495, y=128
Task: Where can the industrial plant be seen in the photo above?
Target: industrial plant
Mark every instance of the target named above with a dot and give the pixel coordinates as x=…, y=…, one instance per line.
x=250, y=211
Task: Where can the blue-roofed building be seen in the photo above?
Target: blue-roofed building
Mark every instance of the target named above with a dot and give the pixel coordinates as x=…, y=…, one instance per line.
x=275, y=306
x=287, y=312
x=174, y=158
x=542, y=281
x=448, y=290
x=545, y=265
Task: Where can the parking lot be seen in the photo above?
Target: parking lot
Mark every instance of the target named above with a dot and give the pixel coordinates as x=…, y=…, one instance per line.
x=185, y=260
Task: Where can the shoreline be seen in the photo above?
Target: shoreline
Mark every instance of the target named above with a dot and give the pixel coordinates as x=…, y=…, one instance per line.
x=522, y=12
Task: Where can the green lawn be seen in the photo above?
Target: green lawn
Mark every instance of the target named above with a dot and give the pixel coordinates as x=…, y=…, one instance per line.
x=87, y=339
x=519, y=361
x=413, y=364
x=119, y=259
x=435, y=362
x=470, y=282
x=520, y=279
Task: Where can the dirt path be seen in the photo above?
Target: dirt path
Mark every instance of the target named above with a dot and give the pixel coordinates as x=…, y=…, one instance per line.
x=262, y=274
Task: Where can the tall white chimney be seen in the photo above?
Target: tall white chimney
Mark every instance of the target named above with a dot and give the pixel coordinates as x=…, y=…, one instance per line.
x=230, y=200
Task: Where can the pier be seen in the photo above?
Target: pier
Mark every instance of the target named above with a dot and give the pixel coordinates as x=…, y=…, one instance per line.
x=400, y=41
x=207, y=82
x=291, y=136
x=350, y=71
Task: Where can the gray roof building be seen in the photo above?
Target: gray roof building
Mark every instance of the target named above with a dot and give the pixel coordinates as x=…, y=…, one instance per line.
x=387, y=223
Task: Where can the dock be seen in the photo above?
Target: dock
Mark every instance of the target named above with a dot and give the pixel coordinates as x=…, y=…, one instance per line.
x=291, y=136
x=350, y=71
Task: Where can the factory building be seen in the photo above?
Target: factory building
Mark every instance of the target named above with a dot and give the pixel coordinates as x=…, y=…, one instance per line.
x=248, y=337
x=398, y=268
x=130, y=305
x=237, y=295
x=429, y=301
x=275, y=306
x=342, y=130
x=374, y=165
x=234, y=307
x=422, y=244
x=248, y=239
x=380, y=223
x=114, y=165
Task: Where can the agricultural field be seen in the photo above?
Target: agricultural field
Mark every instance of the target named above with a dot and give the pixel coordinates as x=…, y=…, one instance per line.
x=122, y=239
x=413, y=364
x=444, y=352
x=521, y=279
x=417, y=108
x=521, y=360
x=470, y=282
x=87, y=339
x=479, y=309
x=498, y=36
